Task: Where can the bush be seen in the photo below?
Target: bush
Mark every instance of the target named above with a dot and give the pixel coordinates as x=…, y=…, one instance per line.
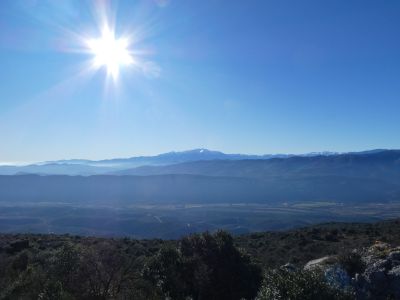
x=298, y=285
x=20, y=262
x=205, y=266
x=351, y=262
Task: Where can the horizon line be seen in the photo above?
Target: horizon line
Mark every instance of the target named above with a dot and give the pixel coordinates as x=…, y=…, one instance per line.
x=26, y=163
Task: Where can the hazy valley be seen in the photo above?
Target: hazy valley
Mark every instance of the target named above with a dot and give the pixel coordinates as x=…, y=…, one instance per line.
x=208, y=191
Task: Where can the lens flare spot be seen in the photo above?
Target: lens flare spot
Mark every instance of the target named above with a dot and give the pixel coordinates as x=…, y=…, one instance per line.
x=110, y=52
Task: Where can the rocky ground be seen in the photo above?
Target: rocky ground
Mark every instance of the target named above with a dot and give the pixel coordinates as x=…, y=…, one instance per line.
x=368, y=273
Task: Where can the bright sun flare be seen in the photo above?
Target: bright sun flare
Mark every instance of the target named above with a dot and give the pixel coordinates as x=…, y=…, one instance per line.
x=110, y=52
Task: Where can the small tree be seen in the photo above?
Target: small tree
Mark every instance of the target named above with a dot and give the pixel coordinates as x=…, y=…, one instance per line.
x=108, y=271
x=65, y=269
x=206, y=266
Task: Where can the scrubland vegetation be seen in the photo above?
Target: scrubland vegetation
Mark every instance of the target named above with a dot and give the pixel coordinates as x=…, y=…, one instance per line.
x=200, y=266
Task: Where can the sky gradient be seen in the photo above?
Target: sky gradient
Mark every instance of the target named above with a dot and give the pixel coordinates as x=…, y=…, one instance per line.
x=236, y=76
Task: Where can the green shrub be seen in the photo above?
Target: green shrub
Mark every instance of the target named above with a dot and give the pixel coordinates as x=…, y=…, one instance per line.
x=351, y=262
x=298, y=285
x=205, y=266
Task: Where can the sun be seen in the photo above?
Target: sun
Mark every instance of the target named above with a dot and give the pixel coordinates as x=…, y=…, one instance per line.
x=110, y=52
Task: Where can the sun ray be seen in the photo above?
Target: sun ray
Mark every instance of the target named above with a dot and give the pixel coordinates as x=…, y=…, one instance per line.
x=111, y=50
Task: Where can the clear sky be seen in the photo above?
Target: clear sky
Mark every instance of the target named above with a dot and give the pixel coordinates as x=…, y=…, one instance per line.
x=237, y=76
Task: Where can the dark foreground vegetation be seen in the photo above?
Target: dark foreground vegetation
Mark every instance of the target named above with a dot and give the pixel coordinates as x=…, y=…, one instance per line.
x=202, y=266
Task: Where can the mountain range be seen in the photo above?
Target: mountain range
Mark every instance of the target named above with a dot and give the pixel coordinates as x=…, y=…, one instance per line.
x=202, y=176
x=94, y=167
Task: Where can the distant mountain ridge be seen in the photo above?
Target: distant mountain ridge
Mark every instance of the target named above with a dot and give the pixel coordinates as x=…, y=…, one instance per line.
x=375, y=164
x=372, y=176
x=170, y=158
x=108, y=166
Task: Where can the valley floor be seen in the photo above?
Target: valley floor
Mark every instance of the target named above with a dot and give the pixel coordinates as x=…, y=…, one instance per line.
x=175, y=220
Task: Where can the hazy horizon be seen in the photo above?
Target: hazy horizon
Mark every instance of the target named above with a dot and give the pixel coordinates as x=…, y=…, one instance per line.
x=22, y=163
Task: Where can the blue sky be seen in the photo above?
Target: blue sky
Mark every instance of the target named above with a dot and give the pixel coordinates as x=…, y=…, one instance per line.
x=237, y=76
